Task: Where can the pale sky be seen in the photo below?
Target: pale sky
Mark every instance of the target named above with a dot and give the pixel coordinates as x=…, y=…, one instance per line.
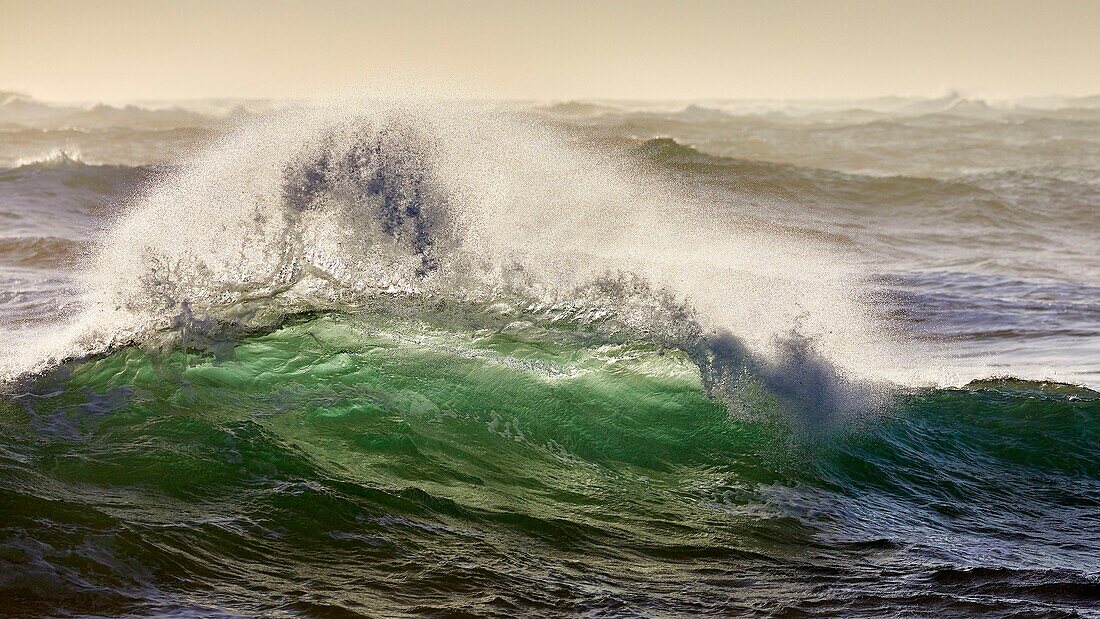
x=116, y=50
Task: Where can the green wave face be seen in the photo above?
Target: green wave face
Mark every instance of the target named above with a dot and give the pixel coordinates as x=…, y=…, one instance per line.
x=387, y=467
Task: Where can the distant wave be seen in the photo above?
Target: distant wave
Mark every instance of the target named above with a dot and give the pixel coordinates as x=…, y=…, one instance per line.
x=55, y=157
x=1070, y=194
x=951, y=104
x=21, y=111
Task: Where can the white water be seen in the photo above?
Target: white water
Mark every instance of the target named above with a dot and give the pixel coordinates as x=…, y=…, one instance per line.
x=513, y=207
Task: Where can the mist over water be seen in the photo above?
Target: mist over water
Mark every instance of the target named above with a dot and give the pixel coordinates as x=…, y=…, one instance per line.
x=588, y=357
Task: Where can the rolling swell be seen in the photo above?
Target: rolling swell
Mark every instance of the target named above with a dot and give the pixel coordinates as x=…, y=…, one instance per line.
x=399, y=467
x=1006, y=197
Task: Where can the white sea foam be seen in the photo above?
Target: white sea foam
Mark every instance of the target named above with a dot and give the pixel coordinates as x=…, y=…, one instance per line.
x=282, y=217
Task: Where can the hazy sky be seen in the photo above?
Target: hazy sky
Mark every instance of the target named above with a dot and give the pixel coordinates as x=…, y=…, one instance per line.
x=155, y=49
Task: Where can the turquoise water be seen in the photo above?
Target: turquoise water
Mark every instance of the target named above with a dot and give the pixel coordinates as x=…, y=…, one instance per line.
x=377, y=466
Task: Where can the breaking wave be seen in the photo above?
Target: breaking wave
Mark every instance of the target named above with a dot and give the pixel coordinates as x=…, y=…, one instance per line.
x=432, y=206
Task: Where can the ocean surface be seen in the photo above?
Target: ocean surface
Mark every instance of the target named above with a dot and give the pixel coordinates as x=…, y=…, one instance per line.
x=605, y=359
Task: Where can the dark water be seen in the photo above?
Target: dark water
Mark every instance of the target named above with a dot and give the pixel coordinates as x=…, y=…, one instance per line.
x=485, y=373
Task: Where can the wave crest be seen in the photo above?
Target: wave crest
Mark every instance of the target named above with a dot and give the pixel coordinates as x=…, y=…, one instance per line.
x=418, y=205
x=58, y=157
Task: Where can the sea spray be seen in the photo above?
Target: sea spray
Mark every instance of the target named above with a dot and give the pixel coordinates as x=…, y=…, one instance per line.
x=327, y=208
